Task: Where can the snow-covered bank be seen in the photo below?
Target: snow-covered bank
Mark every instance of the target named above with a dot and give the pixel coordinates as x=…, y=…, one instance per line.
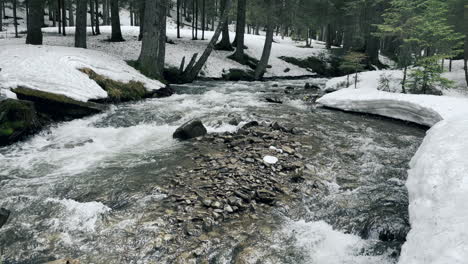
x=438, y=189
x=55, y=70
x=437, y=181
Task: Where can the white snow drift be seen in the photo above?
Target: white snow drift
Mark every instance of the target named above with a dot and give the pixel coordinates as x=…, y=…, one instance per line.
x=55, y=70
x=438, y=179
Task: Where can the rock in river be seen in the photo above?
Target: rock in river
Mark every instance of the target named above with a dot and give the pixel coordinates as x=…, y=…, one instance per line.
x=191, y=129
x=4, y=214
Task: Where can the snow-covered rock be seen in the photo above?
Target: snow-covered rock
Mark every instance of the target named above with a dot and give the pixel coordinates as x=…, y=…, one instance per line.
x=55, y=70
x=438, y=179
x=270, y=159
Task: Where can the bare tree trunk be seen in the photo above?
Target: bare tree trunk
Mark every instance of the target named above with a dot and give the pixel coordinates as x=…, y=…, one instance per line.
x=81, y=21
x=105, y=16
x=58, y=14
x=225, y=43
x=191, y=73
x=196, y=19
x=141, y=15
x=262, y=65
x=1, y=15
x=98, y=29
x=153, y=49
x=178, y=18
x=203, y=19
x=240, y=30
x=64, y=17
x=34, y=24
x=403, y=83
x=71, y=19
x=15, y=19
x=91, y=14
x=466, y=44
x=115, y=19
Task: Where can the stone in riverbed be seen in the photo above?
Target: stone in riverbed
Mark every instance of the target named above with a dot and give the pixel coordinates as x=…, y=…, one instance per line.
x=4, y=214
x=191, y=129
x=265, y=196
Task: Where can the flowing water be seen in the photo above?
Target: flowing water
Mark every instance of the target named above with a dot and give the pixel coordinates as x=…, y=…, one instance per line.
x=88, y=189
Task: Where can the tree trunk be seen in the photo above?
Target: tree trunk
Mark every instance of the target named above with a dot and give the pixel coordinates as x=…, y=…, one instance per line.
x=178, y=18
x=372, y=49
x=191, y=73
x=105, y=15
x=329, y=36
x=240, y=30
x=466, y=44
x=141, y=14
x=153, y=49
x=263, y=64
x=15, y=19
x=91, y=14
x=64, y=17
x=58, y=15
x=403, y=83
x=203, y=19
x=196, y=19
x=1, y=15
x=34, y=24
x=71, y=19
x=116, y=35
x=81, y=21
x=98, y=29
x=225, y=43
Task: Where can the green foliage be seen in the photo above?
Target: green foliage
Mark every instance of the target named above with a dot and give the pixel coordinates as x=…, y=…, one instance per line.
x=353, y=62
x=426, y=77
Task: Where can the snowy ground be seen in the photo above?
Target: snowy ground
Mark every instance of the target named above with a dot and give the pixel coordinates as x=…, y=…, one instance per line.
x=186, y=47
x=437, y=181
x=55, y=70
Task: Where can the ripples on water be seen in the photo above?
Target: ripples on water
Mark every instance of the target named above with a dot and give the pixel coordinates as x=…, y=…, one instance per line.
x=85, y=188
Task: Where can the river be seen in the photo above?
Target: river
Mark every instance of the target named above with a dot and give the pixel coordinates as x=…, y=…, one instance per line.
x=89, y=189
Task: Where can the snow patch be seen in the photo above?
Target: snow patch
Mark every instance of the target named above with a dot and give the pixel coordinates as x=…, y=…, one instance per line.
x=55, y=70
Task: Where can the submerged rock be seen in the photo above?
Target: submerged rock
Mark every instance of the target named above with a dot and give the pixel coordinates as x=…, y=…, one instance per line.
x=273, y=100
x=4, y=214
x=191, y=129
x=164, y=92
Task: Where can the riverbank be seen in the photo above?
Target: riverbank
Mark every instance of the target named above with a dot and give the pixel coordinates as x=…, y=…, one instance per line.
x=437, y=182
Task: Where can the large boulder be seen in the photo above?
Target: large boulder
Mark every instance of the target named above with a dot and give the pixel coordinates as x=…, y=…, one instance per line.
x=18, y=119
x=4, y=214
x=57, y=106
x=191, y=129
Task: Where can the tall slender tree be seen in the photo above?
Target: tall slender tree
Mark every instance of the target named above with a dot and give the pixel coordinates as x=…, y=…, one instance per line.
x=153, y=47
x=81, y=20
x=64, y=16
x=225, y=43
x=240, y=30
x=98, y=29
x=71, y=19
x=34, y=24
x=91, y=14
x=178, y=18
x=116, y=35
x=1, y=15
x=466, y=43
x=263, y=63
x=15, y=18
